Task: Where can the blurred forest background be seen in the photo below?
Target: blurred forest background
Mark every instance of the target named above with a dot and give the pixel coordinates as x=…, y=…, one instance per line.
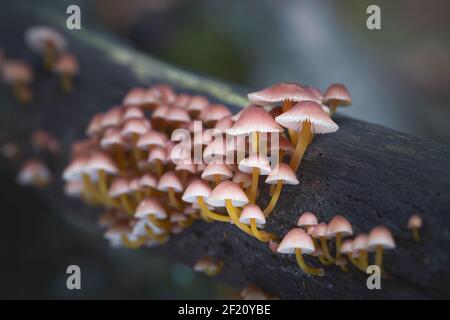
x=398, y=76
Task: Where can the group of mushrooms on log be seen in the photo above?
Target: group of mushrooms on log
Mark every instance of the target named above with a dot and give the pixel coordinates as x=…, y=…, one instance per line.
x=153, y=188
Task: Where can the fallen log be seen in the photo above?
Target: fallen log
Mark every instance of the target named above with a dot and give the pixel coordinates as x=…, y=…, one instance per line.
x=371, y=175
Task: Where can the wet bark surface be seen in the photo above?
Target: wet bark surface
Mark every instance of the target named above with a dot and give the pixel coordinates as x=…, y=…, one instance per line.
x=369, y=174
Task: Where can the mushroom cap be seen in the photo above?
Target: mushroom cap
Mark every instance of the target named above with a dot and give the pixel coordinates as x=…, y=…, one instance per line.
x=337, y=93
x=189, y=167
x=213, y=170
x=134, y=184
x=307, y=219
x=75, y=169
x=152, y=138
x=95, y=125
x=177, y=114
x=38, y=37
x=67, y=63
x=203, y=264
x=134, y=97
x=161, y=112
x=307, y=111
x=296, y=239
x=284, y=144
x=112, y=136
x=33, y=170
x=380, y=236
x=73, y=188
x=254, y=119
x=148, y=180
x=100, y=160
x=216, y=112
x=112, y=117
x=347, y=246
x=169, y=180
x=224, y=124
x=166, y=93
x=415, y=222
x=235, y=117
x=278, y=93
x=119, y=186
x=339, y=225
x=360, y=243
x=16, y=71
x=150, y=206
x=182, y=100
x=197, y=103
x=227, y=190
x=282, y=172
x=319, y=231
x=157, y=153
x=132, y=112
x=242, y=177
x=197, y=188
x=137, y=126
x=252, y=211
x=255, y=161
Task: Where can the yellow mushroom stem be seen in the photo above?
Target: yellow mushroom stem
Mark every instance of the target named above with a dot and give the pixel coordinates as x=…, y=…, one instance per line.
x=338, y=244
x=302, y=264
x=300, y=148
x=130, y=244
x=89, y=188
x=103, y=186
x=326, y=252
x=217, y=179
x=344, y=268
x=162, y=224
x=120, y=157
x=379, y=250
x=173, y=199
x=214, y=270
x=187, y=223
x=184, y=176
x=154, y=236
x=159, y=168
x=415, y=233
x=137, y=153
x=49, y=56
x=285, y=106
x=322, y=258
x=66, y=82
x=363, y=260
x=208, y=213
x=254, y=186
x=355, y=261
x=234, y=218
x=274, y=199
x=333, y=106
x=125, y=204
x=260, y=235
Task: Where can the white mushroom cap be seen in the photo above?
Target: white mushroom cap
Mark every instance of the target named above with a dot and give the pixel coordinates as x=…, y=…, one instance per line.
x=415, y=221
x=254, y=119
x=227, y=190
x=337, y=93
x=296, y=239
x=161, y=112
x=197, y=103
x=347, y=246
x=255, y=161
x=152, y=138
x=134, y=97
x=119, y=186
x=319, y=231
x=38, y=37
x=241, y=177
x=252, y=211
x=360, y=243
x=170, y=180
x=112, y=117
x=213, y=170
x=189, y=167
x=284, y=173
x=380, y=236
x=75, y=169
x=177, y=114
x=34, y=172
x=197, y=188
x=339, y=225
x=101, y=161
x=309, y=111
x=137, y=126
x=216, y=112
x=276, y=94
x=148, y=180
x=132, y=112
x=150, y=206
x=157, y=153
x=307, y=219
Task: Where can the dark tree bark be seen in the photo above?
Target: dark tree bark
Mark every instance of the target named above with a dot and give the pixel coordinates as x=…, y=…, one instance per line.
x=371, y=175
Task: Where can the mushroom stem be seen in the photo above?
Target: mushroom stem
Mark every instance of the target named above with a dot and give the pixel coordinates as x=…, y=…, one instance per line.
x=66, y=82
x=136, y=151
x=49, y=57
x=363, y=260
x=173, y=199
x=232, y=213
x=90, y=188
x=379, y=256
x=274, y=199
x=333, y=106
x=300, y=148
x=302, y=264
x=159, y=168
x=322, y=259
x=120, y=157
x=217, y=179
x=254, y=186
x=355, y=262
x=103, y=186
x=338, y=244
x=125, y=204
x=415, y=233
x=261, y=236
x=208, y=213
x=153, y=236
x=326, y=252
x=133, y=244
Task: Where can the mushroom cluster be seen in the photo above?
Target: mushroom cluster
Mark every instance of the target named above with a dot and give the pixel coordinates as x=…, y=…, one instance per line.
x=313, y=238
x=52, y=46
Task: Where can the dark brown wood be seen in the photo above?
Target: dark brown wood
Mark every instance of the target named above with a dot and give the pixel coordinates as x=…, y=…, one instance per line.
x=371, y=175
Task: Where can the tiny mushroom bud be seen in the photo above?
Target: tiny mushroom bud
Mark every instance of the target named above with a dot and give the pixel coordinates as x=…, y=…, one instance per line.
x=299, y=242
x=414, y=224
x=252, y=215
x=35, y=173
x=380, y=239
x=19, y=75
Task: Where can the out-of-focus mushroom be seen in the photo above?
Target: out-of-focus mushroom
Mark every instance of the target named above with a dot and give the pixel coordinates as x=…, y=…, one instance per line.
x=170, y=183
x=380, y=239
x=67, y=68
x=299, y=242
x=215, y=113
x=253, y=216
x=337, y=95
x=34, y=173
x=151, y=209
x=120, y=189
x=415, y=224
x=196, y=105
x=320, y=233
x=208, y=266
x=46, y=41
x=44, y=140
x=360, y=249
x=19, y=75
x=217, y=172
x=339, y=227
x=101, y=165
